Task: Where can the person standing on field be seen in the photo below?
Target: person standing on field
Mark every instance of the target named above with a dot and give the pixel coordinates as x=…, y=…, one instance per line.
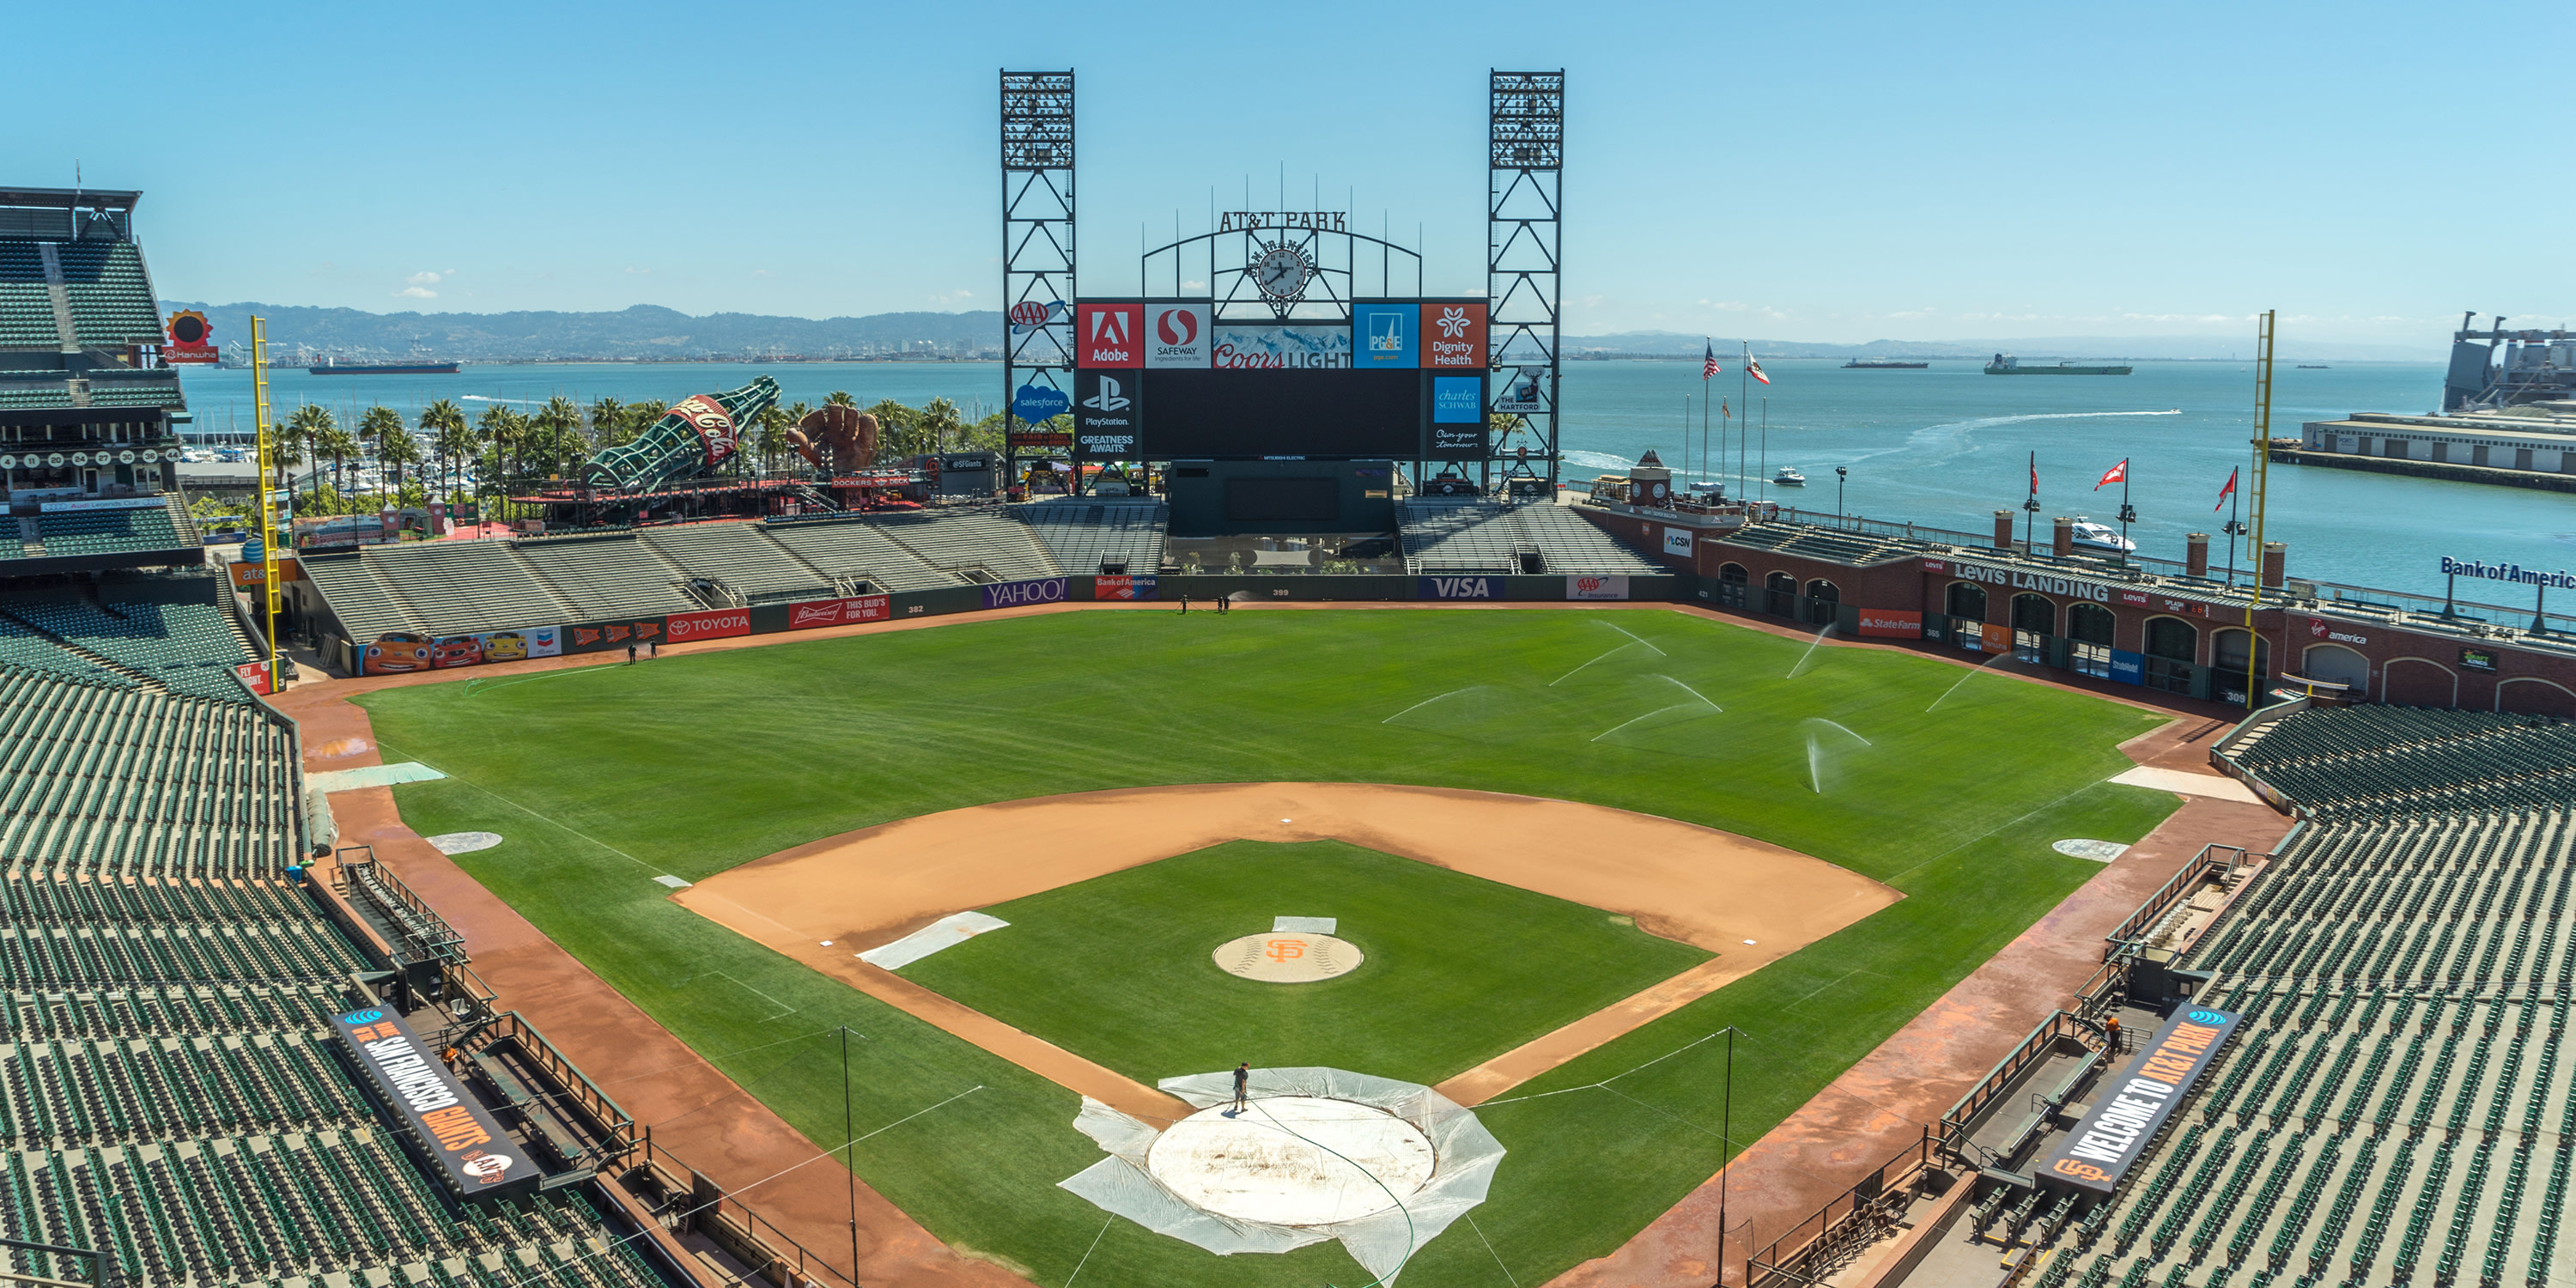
x=1242, y=1085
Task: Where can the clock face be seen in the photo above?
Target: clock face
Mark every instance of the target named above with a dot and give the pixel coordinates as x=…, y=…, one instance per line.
x=1281, y=273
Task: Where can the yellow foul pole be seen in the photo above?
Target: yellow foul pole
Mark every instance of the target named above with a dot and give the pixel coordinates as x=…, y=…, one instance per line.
x=265, y=486
x=2261, y=473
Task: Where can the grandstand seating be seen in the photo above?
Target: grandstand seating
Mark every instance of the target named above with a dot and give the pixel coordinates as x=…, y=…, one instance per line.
x=165, y=1094
x=2363, y=759
x=91, y=532
x=1857, y=549
x=26, y=307
x=2395, y=1107
x=1477, y=536
x=464, y=587
x=1084, y=534
x=111, y=298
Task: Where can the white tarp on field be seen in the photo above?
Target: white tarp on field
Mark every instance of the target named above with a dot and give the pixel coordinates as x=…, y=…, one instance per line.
x=947, y=932
x=1464, y=1156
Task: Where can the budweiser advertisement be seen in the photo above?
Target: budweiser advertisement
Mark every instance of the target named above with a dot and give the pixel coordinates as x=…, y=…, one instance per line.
x=838, y=612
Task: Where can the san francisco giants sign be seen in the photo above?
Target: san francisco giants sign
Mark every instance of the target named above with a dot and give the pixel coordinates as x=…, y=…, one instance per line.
x=1288, y=957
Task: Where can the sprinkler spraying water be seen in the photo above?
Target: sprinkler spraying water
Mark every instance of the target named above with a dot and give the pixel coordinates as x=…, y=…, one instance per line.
x=1972, y=674
x=1812, y=645
x=1816, y=748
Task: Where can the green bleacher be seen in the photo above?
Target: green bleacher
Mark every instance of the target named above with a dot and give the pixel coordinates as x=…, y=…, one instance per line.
x=604, y=576
x=111, y=298
x=1081, y=534
x=1473, y=535
x=985, y=537
x=98, y=532
x=2361, y=760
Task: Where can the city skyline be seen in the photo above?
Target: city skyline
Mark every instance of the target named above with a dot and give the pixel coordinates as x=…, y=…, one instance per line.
x=1875, y=173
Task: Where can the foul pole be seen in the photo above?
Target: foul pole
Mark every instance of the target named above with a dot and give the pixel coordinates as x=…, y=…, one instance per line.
x=266, y=472
x=2262, y=471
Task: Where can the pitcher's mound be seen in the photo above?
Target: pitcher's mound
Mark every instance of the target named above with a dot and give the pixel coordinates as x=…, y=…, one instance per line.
x=1288, y=957
x=1293, y=1160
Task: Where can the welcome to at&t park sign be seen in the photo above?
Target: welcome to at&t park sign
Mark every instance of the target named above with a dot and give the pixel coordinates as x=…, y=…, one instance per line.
x=2120, y=1125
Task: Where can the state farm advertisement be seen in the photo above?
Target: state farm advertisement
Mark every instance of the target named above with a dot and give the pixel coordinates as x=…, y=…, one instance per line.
x=1894, y=623
x=839, y=612
x=681, y=628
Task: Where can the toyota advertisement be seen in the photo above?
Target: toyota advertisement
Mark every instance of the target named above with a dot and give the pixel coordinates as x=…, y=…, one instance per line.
x=1168, y=379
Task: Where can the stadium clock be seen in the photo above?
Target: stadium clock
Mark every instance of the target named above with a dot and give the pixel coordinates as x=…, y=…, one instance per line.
x=1281, y=271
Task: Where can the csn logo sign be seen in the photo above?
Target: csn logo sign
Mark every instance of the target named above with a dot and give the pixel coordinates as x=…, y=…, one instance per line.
x=1176, y=336
x=1461, y=587
x=1109, y=335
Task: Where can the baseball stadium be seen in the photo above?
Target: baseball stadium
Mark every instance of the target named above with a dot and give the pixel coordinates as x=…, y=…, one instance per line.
x=1274, y=860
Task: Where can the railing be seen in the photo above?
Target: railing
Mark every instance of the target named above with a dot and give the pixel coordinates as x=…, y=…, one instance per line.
x=697, y=1206
x=2034, y=1048
x=610, y=1123
x=427, y=933
x=2211, y=860
x=1848, y=1223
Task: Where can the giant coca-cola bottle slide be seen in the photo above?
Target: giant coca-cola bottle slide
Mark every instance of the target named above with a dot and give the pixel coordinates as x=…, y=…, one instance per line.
x=697, y=434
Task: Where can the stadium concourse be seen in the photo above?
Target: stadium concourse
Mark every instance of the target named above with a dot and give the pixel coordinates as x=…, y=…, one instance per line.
x=2337, y=1062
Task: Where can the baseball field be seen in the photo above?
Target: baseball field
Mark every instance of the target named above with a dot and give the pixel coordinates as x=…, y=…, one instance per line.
x=1939, y=788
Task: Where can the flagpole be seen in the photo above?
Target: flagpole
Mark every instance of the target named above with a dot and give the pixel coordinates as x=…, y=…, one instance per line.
x=1743, y=393
x=2235, y=499
x=1766, y=449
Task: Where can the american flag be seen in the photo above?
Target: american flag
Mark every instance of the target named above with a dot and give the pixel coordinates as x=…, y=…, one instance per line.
x=1708, y=368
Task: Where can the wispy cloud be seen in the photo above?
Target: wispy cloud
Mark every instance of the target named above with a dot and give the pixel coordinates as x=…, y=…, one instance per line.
x=418, y=292
x=639, y=272
x=417, y=285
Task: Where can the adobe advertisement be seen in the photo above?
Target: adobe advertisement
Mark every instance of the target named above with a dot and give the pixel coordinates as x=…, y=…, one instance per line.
x=1109, y=335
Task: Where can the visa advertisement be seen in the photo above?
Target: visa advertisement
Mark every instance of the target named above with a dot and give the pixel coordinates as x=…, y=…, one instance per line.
x=1459, y=587
x=402, y=652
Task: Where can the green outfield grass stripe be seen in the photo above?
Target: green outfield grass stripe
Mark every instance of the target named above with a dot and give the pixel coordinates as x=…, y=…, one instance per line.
x=550, y=822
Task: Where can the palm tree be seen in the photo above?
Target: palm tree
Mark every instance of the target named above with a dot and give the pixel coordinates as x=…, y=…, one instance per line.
x=898, y=429
x=942, y=424
x=342, y=447
x=398, y=450
x=607, y=420
x=771, y=435
x=440, y=421
x=309, y=422
x=378, y=428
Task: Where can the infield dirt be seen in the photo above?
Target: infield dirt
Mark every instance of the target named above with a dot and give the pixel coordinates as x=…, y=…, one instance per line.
x=1746, y=901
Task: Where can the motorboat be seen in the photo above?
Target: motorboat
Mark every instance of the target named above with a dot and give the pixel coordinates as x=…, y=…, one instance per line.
x=2094, y=536
x=1789, y=477
x=1707, y=493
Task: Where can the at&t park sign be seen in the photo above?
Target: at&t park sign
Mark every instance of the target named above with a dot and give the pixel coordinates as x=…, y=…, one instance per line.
x=1244, y=221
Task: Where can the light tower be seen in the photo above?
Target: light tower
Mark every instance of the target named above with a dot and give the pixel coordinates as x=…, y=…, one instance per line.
x=1037, y=244
x=1524, y=246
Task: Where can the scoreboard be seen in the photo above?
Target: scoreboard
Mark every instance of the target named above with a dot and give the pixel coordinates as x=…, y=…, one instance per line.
x=1159, y=379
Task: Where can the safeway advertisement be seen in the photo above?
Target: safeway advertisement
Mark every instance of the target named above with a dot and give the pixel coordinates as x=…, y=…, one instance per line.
x=681, y=628
x=838, y=612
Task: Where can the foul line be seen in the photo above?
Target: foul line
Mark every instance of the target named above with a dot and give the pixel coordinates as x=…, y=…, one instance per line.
x=550, y=822
x=1095, y=1247
x=1489, y=1248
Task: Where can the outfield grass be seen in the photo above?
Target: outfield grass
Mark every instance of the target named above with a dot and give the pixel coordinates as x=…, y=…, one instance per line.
x=1459, y=969
x=602, y=778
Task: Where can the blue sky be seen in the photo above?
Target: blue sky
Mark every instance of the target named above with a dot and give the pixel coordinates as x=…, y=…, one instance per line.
x=1836, y=172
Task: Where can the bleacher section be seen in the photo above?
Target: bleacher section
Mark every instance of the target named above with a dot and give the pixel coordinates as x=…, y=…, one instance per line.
x=742, y=557
x=26, y=307
x=983, y=537
x=187, y=647
x=167, y=1095
x=2377, y=759
x=605, y=576
x=845, y=549
x=1477, y=536
x=1857, y=549
x=463, y=587
x=111, y=299
x=1083, y=535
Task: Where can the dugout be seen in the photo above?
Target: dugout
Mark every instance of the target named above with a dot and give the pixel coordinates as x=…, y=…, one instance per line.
x=1288, y=498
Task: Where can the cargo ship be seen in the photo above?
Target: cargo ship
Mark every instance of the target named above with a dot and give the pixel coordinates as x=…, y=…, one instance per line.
x=2007, y=365
x=331, y=368
x=1883, y=364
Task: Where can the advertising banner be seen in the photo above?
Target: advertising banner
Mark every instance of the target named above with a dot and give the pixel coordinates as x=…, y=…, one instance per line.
x=247, y=572
x=716, y=624
x=1109, y=335
x=1997, y=639
x=1037, y=403
x=1106, y=414
x=1176, y=336
x=1892, y=623
x=401, y=652
x=718, y=436
x=838, y=612
x=2128, y=668
x=1457, y=400
x=1282, y=348
x=1389, y=334
x=474, y=1157
x=1122, y=588
x=1011, y=594
x=2123, y=1121
x=1453, y=335
x=608, y=635
x=1521, y=392
x=1596, y=585
x=254, y=675
x=1459, y=587
x=1677, y=541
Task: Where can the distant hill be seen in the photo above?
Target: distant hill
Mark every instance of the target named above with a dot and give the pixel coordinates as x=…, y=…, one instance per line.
x=1672, y=344
x=644, y=331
